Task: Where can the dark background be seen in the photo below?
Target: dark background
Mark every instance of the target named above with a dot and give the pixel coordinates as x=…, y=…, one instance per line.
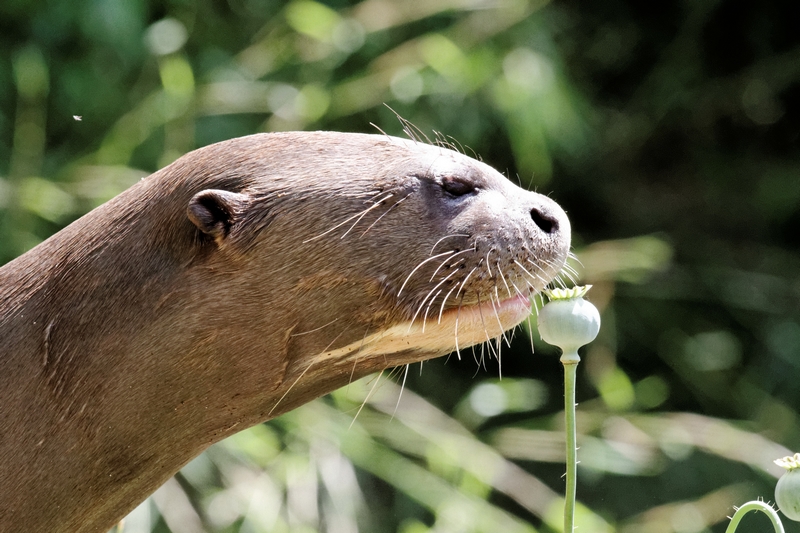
x=668, y=131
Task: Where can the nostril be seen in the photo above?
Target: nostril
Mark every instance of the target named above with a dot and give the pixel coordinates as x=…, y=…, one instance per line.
x=545, y=222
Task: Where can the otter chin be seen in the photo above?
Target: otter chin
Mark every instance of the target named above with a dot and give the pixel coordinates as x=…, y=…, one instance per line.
x=457, y=328
x=244, y=279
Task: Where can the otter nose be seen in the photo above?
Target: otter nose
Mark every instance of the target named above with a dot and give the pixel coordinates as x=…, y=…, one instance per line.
x=546, y=221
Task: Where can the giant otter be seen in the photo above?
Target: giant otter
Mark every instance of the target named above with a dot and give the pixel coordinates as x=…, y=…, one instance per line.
x=243, y=280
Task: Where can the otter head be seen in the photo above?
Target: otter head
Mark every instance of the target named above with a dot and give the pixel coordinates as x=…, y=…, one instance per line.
x=376, y=251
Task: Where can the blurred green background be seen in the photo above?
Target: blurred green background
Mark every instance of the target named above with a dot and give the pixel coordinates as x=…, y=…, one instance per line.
x=668, y=131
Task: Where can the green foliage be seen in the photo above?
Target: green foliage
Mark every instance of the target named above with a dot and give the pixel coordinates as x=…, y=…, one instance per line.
x=669, y=133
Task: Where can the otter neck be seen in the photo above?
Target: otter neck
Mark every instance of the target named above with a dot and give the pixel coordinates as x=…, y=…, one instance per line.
x=106, y=404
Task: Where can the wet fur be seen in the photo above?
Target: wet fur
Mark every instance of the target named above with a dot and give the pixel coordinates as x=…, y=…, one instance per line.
x=239, y=282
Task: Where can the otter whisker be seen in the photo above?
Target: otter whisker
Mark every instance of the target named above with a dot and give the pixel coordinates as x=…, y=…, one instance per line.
x=364, y=213
x=519, y=292
x=398, y=202
x=444, y=301
x=355, y=359
x=557, y=279
x=539, y=267
x=489, y=348
x=389, y=137
x=533, y=276
x=303, y=373
x=573, y=277
x=447, y=237
x=515, y=330
x=404, y=122
x=528, y=284
x=458, y=314
x=395, y=372
x=483, y=322
x=315, y=329
x=489, y=270
x=402, y=388
x=567, y=274
x=358, y=215
x=403, y=286
x=480, y=361
x=413, y=132
x=427, y=310
x=466, y=278
x=530, y=332
x=541, y=303
x=550, y=263
x=571, y=269
x=422, y=303
x=445, y=263
x=441, y=141
x=461, y=148
x=465, y=148
x=366, y=399
x=499, y=358
x=497, y=315
x=503, y=278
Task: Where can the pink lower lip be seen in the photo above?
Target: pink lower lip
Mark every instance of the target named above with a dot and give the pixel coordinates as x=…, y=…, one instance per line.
x=517, y=305
x=517, y=301
x=510, y=311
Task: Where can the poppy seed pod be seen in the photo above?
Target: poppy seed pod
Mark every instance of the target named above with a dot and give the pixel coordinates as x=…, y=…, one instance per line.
x=787, y=491
x=568, y=321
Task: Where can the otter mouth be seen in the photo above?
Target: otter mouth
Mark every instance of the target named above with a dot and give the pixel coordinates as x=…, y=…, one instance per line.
x=454, y=330
x=491, y=317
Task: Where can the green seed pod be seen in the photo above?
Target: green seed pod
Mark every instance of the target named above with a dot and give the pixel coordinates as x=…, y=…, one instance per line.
x=787, y=491
x=568, y=321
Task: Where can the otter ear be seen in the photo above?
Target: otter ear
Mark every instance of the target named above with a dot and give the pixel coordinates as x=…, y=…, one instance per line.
x=214, y=211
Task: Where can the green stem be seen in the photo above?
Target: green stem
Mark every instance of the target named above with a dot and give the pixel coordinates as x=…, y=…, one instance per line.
x=570, y=362
x=755, y=506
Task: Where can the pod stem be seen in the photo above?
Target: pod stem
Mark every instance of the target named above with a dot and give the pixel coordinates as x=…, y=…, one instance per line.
x=570, y=361
x=755, y=506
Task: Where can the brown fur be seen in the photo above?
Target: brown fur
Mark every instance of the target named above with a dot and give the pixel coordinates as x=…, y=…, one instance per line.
x=227, y=289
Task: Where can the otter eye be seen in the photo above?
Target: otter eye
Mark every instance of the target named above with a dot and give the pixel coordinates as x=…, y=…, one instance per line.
x=456, y=187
